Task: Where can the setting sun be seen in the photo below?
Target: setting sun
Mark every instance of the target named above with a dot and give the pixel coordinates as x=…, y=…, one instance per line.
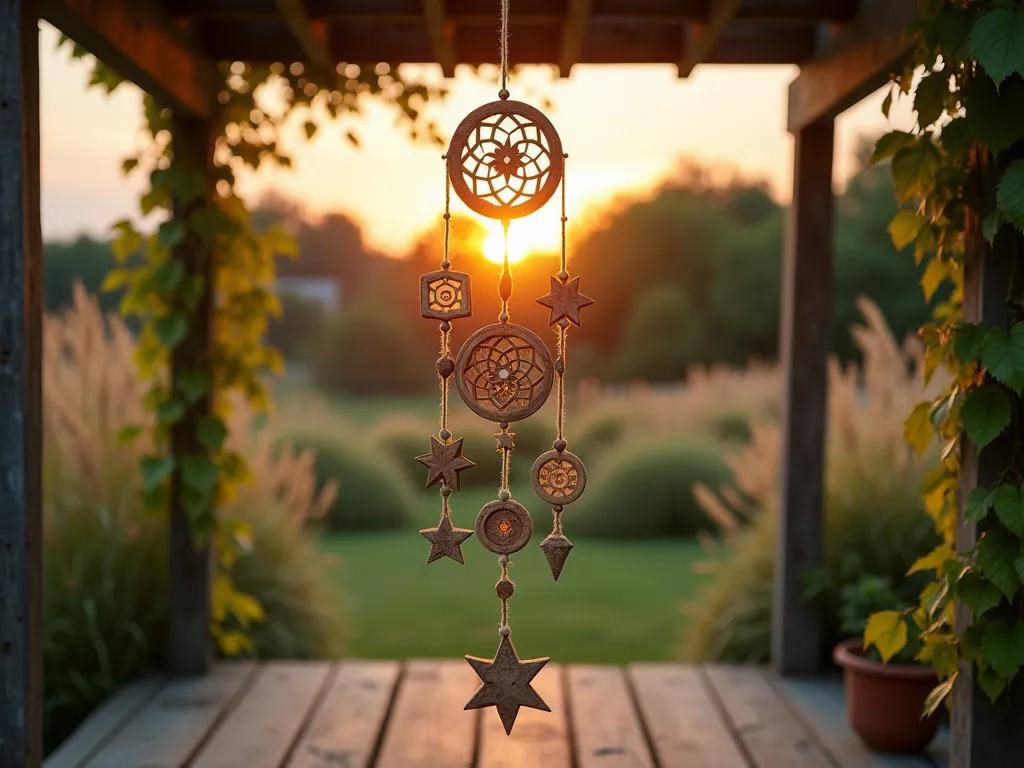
x=525, y=237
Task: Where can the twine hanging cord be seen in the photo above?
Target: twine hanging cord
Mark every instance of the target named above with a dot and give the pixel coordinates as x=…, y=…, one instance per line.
x=504, y=50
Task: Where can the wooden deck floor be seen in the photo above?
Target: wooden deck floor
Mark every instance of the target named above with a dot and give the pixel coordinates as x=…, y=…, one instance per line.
x=358, y=714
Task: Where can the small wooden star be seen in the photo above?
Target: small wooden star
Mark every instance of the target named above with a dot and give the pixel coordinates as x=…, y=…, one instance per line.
x=565, y=300
x=505, y=439
x=445, y=462
x=446, y=540
x=506, y=683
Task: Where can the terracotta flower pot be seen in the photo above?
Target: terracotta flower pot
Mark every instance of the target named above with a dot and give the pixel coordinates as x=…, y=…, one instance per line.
x=884, y=702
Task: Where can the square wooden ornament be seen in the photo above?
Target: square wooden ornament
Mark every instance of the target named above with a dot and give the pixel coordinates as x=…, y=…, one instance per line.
x=444, y=295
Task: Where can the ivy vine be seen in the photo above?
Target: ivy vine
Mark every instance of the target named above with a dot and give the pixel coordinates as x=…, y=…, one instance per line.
x=956, y=181
x=165, y=297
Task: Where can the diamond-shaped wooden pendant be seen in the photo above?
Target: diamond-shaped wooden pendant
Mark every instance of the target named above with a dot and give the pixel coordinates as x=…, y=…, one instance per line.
x=444, y=295
x=556, y=548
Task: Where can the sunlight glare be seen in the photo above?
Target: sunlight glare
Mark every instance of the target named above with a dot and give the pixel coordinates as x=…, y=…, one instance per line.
x=525, y=237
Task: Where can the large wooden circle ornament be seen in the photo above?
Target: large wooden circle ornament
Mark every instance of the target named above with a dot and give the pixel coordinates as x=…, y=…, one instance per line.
x=505, y=160
x=559, y=477
x=504, y=527
x=504, y=372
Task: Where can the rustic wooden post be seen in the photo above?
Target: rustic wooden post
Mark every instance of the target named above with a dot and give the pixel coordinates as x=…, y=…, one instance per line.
x=191, y=651
x=805, y=331
x=21, y=587
x=986, y=735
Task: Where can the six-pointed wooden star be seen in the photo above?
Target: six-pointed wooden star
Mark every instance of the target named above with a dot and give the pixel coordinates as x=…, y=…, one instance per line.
x=445, y=462
x=506, y=683
x=446, y=540
x=565, y=300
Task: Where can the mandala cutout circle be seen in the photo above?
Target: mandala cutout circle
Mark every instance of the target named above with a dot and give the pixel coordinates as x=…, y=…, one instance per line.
x=504, y=527
x=505, y=160
x=559, y=477
x=504, y=372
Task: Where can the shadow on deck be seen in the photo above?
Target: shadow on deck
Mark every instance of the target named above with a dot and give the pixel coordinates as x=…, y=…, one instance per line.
x=358, y=714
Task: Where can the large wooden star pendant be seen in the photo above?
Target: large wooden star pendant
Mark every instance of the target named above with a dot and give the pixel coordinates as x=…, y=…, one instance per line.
x=506, y=683
x=565, y=300
x=445, y=462
x=446, y=540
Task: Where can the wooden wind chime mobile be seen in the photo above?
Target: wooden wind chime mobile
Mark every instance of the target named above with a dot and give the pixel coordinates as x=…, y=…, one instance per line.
x=505, y=161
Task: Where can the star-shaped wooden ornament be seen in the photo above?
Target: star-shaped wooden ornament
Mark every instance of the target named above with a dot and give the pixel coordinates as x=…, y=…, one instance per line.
x=565, y=300
x=506, y=683
x=504, y=439
x=446, y=540
x=445, y=462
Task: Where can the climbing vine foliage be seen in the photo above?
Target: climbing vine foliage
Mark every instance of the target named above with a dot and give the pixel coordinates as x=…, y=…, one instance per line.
x=206, y=242
x=960, y=179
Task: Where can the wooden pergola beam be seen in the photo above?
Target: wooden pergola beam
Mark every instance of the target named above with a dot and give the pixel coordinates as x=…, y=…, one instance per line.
x=573, y=31
x=699, y=39
x=311, y=37
x=439, y=29
x=134, y=40
x=853, y=64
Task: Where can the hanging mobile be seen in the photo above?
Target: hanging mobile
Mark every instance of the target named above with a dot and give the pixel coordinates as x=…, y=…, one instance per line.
x=505, y=161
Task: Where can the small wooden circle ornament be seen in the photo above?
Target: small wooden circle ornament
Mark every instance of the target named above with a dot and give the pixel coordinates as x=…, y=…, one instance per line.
x=504, y=372
x=504, y=527
x=559, y=477
x=505, y=160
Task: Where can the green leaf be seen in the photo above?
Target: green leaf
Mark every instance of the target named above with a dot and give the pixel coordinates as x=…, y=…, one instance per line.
x=155, y=469
x=887, y=103
x=979, y=502
x=990, y=225
x=118, y=278
x=887, y=631
x=170, y=412
x=991, y=682
x=997, y=42
x=167, y=276
x=1002, y=354
x=905, y=227
x=891, y=143
x=918, y=430
x=310, y=128
x=929, y=98
x=967, y=342
x=193, y=385
x=1009, y=507
x=170, y=233
x=977, y=593
x=211, y=432
x=199, y=473
x=985, y=414
x=1018, y=566
x=996, y=118
x=1010, y=194
x=997, y=552
x=1003, y=647
x=951, y=28
x=171, y=329
x=933, y=561
x=128, y=435
x=913, y=169
x=129, y=165
x=936, y=271
x=956, y=135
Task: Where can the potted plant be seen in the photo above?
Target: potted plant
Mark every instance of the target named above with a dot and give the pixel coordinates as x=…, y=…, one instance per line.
x=885, y=701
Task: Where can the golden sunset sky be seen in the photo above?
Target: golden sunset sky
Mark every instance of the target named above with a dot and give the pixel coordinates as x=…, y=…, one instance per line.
x=623, y=127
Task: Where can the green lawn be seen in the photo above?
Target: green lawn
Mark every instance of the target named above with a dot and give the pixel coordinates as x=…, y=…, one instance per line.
x=615, y=601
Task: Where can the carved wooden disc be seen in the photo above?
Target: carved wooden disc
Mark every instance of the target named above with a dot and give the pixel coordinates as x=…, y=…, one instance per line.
x=504, y=527
x=445, y=295
x=505, y=160
x=559, y=477
x=504, y=372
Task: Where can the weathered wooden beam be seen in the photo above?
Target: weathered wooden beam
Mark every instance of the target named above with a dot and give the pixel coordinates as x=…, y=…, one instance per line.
x=190, y=651
x=311, y=36
x=21, y=253
x=983, y=734
x=805, y=332
x=699, y=39
x=441, y=33
x=573, y=31
x=853, y=64
x=134, y=40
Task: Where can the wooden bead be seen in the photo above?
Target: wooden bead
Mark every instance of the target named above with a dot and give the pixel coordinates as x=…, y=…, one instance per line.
x=445, y=367
x=560, y=445
x=504, y=589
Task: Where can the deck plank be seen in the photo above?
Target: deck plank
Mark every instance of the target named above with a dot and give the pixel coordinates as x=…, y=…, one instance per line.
x=539, y=739
x=685, y=726
x=170, y=729
x=105, y=723
x=605, y=724
x=822, y=705
x=260, y=731
x=773, y=737
x=428, y=727
x=346, y=727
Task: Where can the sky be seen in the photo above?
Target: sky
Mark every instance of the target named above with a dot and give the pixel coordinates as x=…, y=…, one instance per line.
x=624, y=129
